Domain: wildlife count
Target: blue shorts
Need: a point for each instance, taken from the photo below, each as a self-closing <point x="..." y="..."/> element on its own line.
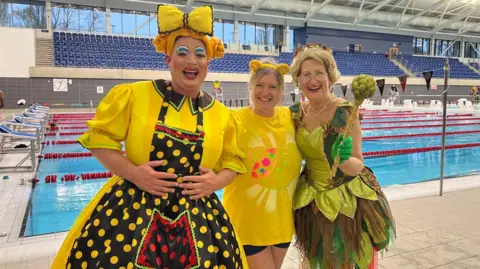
<point x="252" y="250"/>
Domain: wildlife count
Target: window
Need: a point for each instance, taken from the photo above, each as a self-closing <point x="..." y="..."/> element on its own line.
<point x="128" y="22"/>
<point x="241" y="33"/>
<point x="116" y="21"/>
<point x="153" y="25"/>
<point x="218" y="28"/>
<point x="421" y="46"/>
<point x="142" y="25"/>
<point x="229" y="31"/>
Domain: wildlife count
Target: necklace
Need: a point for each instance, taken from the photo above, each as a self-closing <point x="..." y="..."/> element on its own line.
<point x="317" y="113"/>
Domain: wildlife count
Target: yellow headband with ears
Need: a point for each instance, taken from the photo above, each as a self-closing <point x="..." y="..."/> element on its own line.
<point x="283" y="69"/>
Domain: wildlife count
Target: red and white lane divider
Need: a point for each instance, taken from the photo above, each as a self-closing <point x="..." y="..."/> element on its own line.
<point x="383" y="153"/>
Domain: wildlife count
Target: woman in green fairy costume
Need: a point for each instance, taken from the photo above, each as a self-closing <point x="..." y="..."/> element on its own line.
<point x="341" y="221"/>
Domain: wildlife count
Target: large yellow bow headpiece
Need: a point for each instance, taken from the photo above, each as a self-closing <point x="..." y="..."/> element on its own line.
<point x="255" y="65"/>
<point x="198" y="24"/>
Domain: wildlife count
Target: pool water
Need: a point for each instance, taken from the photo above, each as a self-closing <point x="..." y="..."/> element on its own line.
<point x="54" y="207"/>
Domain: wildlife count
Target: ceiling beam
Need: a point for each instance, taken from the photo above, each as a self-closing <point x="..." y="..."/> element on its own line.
<point x="464" y="30"/>
<point x="403" y="13"/>
<point x="394" y="5"/>
<point x="379" y="6"/>
<point x="359" y="10"/>
<point x="459" y="7"/>
<point x="189" y="4"/>
<point x="311" y="12"/>
<point x="437" y="4"/>
<point x="456" y="18"/>
<point x="443" y="14"/>
<point x="256" y="6"/>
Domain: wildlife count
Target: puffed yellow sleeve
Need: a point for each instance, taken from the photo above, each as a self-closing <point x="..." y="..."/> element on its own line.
<point x="109" y="127"/>
<point x="232" y="153"/>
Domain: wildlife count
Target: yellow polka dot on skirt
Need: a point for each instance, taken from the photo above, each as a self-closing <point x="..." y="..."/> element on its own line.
<point x="226" y="254"/>
<point x="114" y="222"/>
<point x="203" y="229"/>
<point x="182" y="201"/>
<point x="84" y="265"/>
<point x="196" y="156"/>
<point x="96" y="222"/>
<point x="161" y="136"/>
<point x="223" y="266"/>
<point x="136" y="206"/>
<point x="109" y="212"/>
<point x="169" y="143"/>
<point x="175" y="208"/>
<point x="130" y="265"/>
<point x="126" y="216"/>
<point x="78" y="255"/>
<point x="224" y="229"/>
<point x="157" y="201"/>
<point x="120" y="202"/>
<point x="85" y="234"/>
<point x="218" y="235"/>
<point x="209" y="217"/>
<point x="131" y="192"/>
<point x="149" y="212"/>
<point x="94" y="254"/>
<point x="183" y="160"/>
<point x="176" y="153"/>
<point x="215" y="212"/>
<point x="139" y="220"/>
<point x="114" y="259"/>
<point x="107" y="242"/>
<point x="127" y="248"/>
<point x="90" y="243"/>
<point x="119" y="193"/>
<point x="101" y="232"/>
<point x="120" y="237"/>
<point x="69" y="265"/>
<point x="171" y="170"/>
<point x="144" y="201"/>
<point x="132" y="227"/>
<point x="206" y="264"/>
<point x="211" y="249"/>
<point x="134" y="242"/>
<point x="200" y="244"/>
<point x="160" y="154"/>
<point x="195" y="211"/>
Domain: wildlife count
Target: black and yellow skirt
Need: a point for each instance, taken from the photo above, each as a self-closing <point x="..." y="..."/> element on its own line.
<point x="125" y="227"/>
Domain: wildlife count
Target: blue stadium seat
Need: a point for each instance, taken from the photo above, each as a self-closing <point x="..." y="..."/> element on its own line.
<point x="101" y="51"/>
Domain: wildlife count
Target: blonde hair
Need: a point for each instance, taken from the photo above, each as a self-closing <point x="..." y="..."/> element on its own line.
<point x="321" y="55"/>
<point x="259" y="73"/>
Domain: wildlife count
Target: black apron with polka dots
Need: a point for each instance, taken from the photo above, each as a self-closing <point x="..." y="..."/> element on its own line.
<point x="134" y="229"/>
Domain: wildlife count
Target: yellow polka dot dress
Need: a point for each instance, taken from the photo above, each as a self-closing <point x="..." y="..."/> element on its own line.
<point x="125" y="227"/>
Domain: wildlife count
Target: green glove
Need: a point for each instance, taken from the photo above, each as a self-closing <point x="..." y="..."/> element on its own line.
<point x="344" y="150"/>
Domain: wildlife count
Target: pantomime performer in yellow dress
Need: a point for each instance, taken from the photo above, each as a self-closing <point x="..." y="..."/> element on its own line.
<point x="160" y="209"/>
<point x="260" y="201"/>
<point x="341" y="220"/>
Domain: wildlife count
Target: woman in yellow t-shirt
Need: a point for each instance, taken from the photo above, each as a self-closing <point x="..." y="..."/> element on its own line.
<point x="259" y="202"/>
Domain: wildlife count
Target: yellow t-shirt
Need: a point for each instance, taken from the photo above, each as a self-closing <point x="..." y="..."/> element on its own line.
<point x="259" y="202"/>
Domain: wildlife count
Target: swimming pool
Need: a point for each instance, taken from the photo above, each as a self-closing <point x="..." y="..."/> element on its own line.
<point x="54" y="207"/>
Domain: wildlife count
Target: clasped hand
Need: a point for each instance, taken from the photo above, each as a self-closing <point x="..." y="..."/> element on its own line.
<point x="202" y="185"/>
<point x="344" y="148"/>
<point x="156" y="183"/>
